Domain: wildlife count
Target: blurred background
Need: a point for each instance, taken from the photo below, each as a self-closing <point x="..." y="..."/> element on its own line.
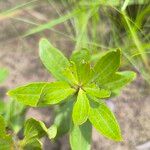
<point x="99" y="25"/>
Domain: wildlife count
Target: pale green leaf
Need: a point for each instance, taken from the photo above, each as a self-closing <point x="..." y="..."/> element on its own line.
<point x="107" y="65"/>
<point x="54" y="93"/>
<point x="52" y="131"/>
<point x="70" y="74"/>
<point x="81" y="59"/>
<point x="104" y="121"/>
<point x="119" y="80"/>
<point x="97" y="92"/>
<point x="53" y="59"/>
<point x="84" y="73"/>
<point x="80" y="136"/>
<point x="81" y="108"/>
<point x="37" y="129"/>
<point x="80" y="56"/>
<point x="28" y="94"/>
<point x="42" y="93"/>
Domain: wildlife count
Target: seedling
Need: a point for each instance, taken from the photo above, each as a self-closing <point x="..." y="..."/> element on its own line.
<point x="81" y="89"/>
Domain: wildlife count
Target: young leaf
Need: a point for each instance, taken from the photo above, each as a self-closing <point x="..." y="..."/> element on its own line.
<point x="104" y="121"/>
<point x="53" y="59"/>
<point x="119" y="79"/>
<point x="84" y="72"/>
<point x="107" y="65"/>
<point x="37" y="129"/>
<point x="80" y="136"/>
<point x="97" y="92"/>
<point x="81" y="59"/>
<point x="42" y="93"/>
<point x="81" y="108"/>
<point x="70" y="74"/>
<point x="52" y="131"/>
<point x="80" y="56"/>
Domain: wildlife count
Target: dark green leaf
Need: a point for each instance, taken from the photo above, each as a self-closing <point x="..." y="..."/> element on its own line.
<point x="53" y="59"/>
<point x="104" y="121"/>
<point x="63" y="118"/>
<point x="33" y="144"/>
<point x="80" y="136"/>
<point x="81" y="108"/>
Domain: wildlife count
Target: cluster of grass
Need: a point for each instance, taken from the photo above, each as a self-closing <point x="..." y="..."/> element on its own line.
<point x="98" y="25"/>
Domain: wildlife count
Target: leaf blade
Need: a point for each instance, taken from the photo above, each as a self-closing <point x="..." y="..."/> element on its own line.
<point x="42" y="93"/>
<point x="53" y="59"/>
<point x="104" y="121"/>
<point x="80" y="136"/>
<point x="107" y="65"/>
<point x="80" y="109"/>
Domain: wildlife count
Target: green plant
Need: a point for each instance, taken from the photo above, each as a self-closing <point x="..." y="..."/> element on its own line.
<point x="33" y="131"/>
<point x="80" y="89"/>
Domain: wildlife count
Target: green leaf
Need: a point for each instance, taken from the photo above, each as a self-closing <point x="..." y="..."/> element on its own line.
<point x="107" y="65"/>
<point x="81" y="108"/>
<point x="52" y="131"/>
<point x="3" y="74"/>
<point x="5" y="139"/>
<point x="37" y="129"/>
<point x="53" y="59"/>
<point x="70" y="74"/>
<point x="54" y="22"/>
<point x="80" y="56"/>
<point x="54" y="93"/>
<point x="63" y="117"/>
<point x="97" y="92"/>
<point x="28" y="94"/>
<point x="2" y="127"/>
<point x="81" y="59"/>
<point x="119" y="80"/>
<point x="84" y="73"/>
<point x="33" y="131"/>
<point x="42" y="93"/>
<point x="34" y="144"/>
<point x="104" y="121"/>
<point x="80" y="136"/>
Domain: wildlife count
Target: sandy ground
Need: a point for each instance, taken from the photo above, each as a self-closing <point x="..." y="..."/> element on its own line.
<point x="20" y="56"/>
